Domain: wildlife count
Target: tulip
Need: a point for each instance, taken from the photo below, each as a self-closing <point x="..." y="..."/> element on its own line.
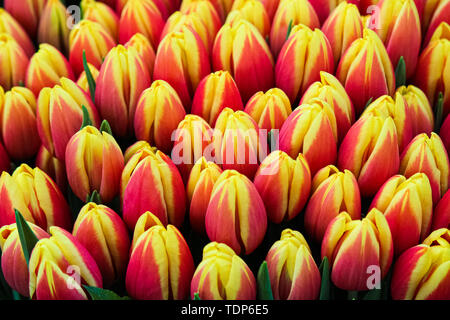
<point x="36" y="196"/>
<point x="101" y="13"/>
<point x="14" y="62"/>
<point x="269" y="109"/>
<point x="441" y="215"/>
<point x="151" y="182"/>
<point x="422" y="272"/>
<point x="214" y="93"/>
<point x="10" y="26"/>
<point x="206" y="11"/>
<point x="444" y="133"/>
<point x="202" y="178"/>
<point x="52" y="166"/>
<point x="101" y="231"/>
<point x="253" y="11"/>
<point x="441" y="32"/>
<point x="303" y="56"/>
<point x="236" y="215"/>
<point x="14" y="266"/>
<point x="121" y="80"/>
<point x="222" y="7"/>
<point x="55" y="261"/>
<point x="292" y="271"/>
<point x="408" y="208"/>
<point x="82" y="81"/>
<point x="47" y="66"/>
<point x="223" y="275"/>
<point x="370" y="152"/>
<point x="344" y="242"/>
<point x="441" y="15"/>
<point x="182" y="61"/>
<point x="141" y="16"/>
<point x="158" y="112"/>
<point x="54" y="26"/>
<point x="93" y="39"/>
<point x="242" y="51"/>
<point x="271" y="7"/>
<point x="5" y="164"/>
<point x="161" y="265"/>
<point x="366" y="71"/>
<point x="427" y="155"/>
<point x="135" y="148"/>
<point x="325" y="8"/>
<point x="145" y="222"/>
<point x="302" y="130"/>
<point x="59" y="115"/>
<point x="144" y="49"/>
<point x="333" y="192"/>
<point x="428" y="9"/>
<point x="342" y="27"/>
<point x="27" y="13"/>
<point x="191" y="139"/>
<point x="237" y="142"/>
<point x="94" y="161"/>
<point x="165" y="7"/>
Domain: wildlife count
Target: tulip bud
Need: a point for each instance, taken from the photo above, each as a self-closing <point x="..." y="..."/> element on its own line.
<point x="441" y="15"/>
<point x="427" y="155"/>
<point x="344" y="241"/>
<point x="366" y="71"/>
<point x="303" y="56"/>
<point x="305" y="126"/>
<point x="422" y="272"/>
<point x="10" y="26"/>
<point x="82" y="81"/>
<point x="59" y="115"/>
<point x="441" y="215"/>
<point x="214" y="93"/>
<point x="36" y="196"/>
<point x="26" y="12"/>
<point x="202" y="178"/>
<point x="52" y="166"/>
<point x="165" y="7"/>
<point x="101" y="231"/>
<point x="206" y="11"/>
<point x="161" y="265"/>
<point x="101" y="13"/>
<point x="444" y="133"/>
<point x="158" y="112"/>
<point x="54" y="26"/>
<point x="223" y="275"/>
<point x="135" y="148"/>
<point x="441" y="32"/>
<point x="334" y="192"/>
<point x="145" y="222"/>
<point x="47" y="66"/>
<point x="14" y="62"/>
<point x="236" y="215"/>
<point x="222" y="7"/>
<point x="144" y="49"/>
<point x="92" y="38"/>
<point x="269" y="109"/>
<point x="370" y="152"/>
<point x="241" y="50"/>
<point x="151" y="182"/>
<point x="330" y="90"/>
<point x="53" y="263"/>
<point x="271" y="7"/>
<point x="253" y="11"/>
<point x="292" y="271"/>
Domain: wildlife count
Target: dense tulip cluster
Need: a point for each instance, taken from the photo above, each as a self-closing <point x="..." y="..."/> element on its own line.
<point x="225" y="149"/>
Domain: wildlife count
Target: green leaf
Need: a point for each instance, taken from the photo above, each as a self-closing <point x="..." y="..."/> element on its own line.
<point x="89" y="77"/>
<point x="264" y="287"/>
<point x="439" y="112"/>
<point x="94" y="197"/>
<point x="103" y="294"/>
<point x="105" y="127"/>
<point x="86" y="118"/>
<point x="400" y="73"/>
<point x="368" y="103"/>
<point x="196" y="296"/>
<point x="288" y="33"/>
<point x="325" y="286"/>
<point x="27" y="237"/>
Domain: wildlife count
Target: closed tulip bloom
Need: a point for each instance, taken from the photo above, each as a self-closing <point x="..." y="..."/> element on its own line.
<point x="408" y="207"/>
<point x="53" y="262"/>
<point x="223" y="275"/>
<point x="292" y="271"/>
<point x="236" y="215"/>
<point x="101" y="13"/>
<point x="82" y="81"/>
<point x="36" y="196"/>
<point x="335" y="192"/>
<point x="27" y="13"/>
<point x="151" y="182"/>
<point x="322" y="175"/>
<point x="52" y="166"/>
<point x="214" y="93"/>
<point x="94" y="161"/>
<point x="202" y="178"/>
<point x="284" y="184"/>
<point x="144" y="49"/>
<point x="47" y="66"/>
<point x="444" y="133"/>
<point x="253" y="11"/>
<point x="441" y="32"/>
<point x="302" y="130"/>
<point x="205" y="10"/>
<point x="304" y="55"/>
<point x="159" y="110"/>
<point x="166" y="7"/>
<point x="145" y="222"/>
<point x="161" y="265"/>
<point x="54" y="26"/>
<point x="370" y="152"/>
<point x="427" y="155"/>
<point x="135" y="148"/>
<point x="92" y="38"/>
<point x="366" y="71"/>
<point x="344" y="241"/>
<point x="59" y="115"/>
<point x="441" y="215"/>
<point x="269" y="109"/>
<point x="271" y="7"/>
<point x="103" y="233"/>
<point x="242" y="51"/>
<point x="441" y="15"/>
<point x="14" y="266"/>
<point x="222" y="7"/>
<point x="427" y="11"/>
<point x="13" y="62"/>
<point x="342" y="27"/>
<point x="12" y="27"/>
<point x="423" y="272"/>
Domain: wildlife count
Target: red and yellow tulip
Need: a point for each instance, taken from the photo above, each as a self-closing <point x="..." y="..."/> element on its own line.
<point x="13" y="62"/>
<point x="101" y="13"/>
<point x="441" y="214"/>
<point x="52" y="166"/>
<point x="54" y="26"/>
<point x="253" y="11"/>
<point x="10" y="26"/>
<point x="27" y="13"/>
<point x="144" y="49"/>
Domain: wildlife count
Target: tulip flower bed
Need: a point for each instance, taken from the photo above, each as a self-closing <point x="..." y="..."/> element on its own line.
<point x="225" y="149"/>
